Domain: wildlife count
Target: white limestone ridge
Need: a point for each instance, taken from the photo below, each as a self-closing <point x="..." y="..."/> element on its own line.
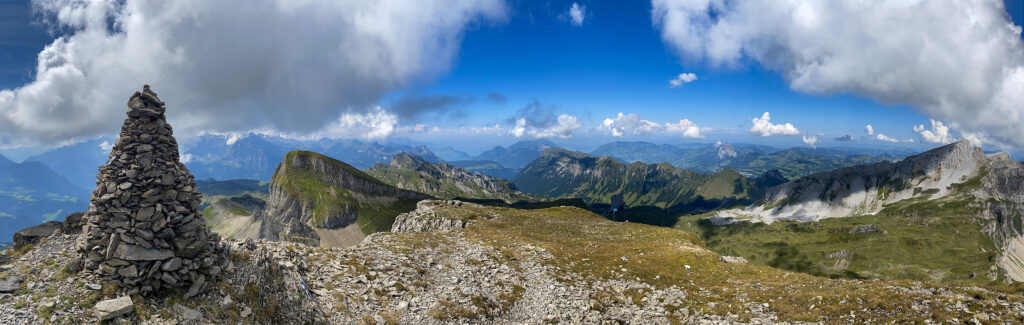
<point x="865" y="190"/>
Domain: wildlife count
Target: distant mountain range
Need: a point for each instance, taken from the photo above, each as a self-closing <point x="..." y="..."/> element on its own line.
<point x="79" y="162"/>
<point x="31" y="193"/>
<point x="256" y="157"/>
<point x="952" y="213"/>
<point x="517" y="155"/>
<point x="748" y="159"/>
<point x="487" y="167"/>
<point x="449" y="153"/>
<point x="564" y="174"/>
<point x="410" y="172"/>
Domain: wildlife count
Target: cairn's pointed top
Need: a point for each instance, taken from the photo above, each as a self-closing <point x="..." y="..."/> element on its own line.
<point x="145" y="103"/>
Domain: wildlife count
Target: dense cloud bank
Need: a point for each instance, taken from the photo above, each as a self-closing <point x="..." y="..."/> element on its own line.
<point x="957" y="61"/>
<point x="292" y="66"/>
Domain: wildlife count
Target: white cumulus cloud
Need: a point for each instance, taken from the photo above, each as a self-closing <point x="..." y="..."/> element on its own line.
<point x="939" y="133"/>
<point x="563" y="127"/>
<point x="375" y="124"/>
<point x="810" y="140"/>
<point x="883" y="137"/>
<point x="870" y="130"/>
<point x="106" y="146"/>
<point x="686" y="128"/>
<point x="632" y="124"/>
<point x="954" y="60"/>
<point x="286" y="65"/>
<point x="764" y="127"/>
<point x="682" y="78"/>
<point x="577" y="13"/>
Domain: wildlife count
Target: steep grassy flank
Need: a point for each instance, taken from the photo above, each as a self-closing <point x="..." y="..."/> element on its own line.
<point x="596" y="248"/>
<point x="311" y="177"/>
<point x="938" y="240"/>
<point x="563" y="174"/>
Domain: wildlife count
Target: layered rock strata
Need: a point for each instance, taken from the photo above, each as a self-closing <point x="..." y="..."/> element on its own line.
<point x="143" y="229"/>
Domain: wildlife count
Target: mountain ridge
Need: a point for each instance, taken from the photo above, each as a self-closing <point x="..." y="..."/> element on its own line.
<point x="560" y="173"/>
<point x="957" y="176"/>
<point x="408" y="171"/>
<point x="310" y="190"/>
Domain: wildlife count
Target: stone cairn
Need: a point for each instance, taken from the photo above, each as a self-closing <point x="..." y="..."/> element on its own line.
<point x="144" y="229"/>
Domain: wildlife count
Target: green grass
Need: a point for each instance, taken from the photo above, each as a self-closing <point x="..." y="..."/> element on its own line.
<point x="209" y="215"/>
<point x="642" y="185"/>
<point x="377" y="212"/>
<point x="937" y="240"/>
<point x="591" y="246"/>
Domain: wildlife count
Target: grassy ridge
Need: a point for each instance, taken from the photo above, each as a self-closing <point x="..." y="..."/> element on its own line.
<point x="596" y="248"/>
<point x="377" y="211"/>
<point x="442" y="180"/>
<point x="563" y="174"/>
<point x="917" y="239"/>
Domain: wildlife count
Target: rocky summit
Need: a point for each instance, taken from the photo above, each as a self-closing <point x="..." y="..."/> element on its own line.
<point x="143" y="230"/>
<point x="461" y="263"/>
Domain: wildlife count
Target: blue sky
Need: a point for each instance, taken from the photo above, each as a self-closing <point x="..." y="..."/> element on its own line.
<point x="481" y="68"/>
<point x="616" y="62"/>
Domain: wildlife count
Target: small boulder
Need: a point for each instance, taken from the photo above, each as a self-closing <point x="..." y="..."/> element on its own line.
<point x="113" y="308"/>
<point x="32" y="234"/>
<point x="73" y="223"/>
<point x="864" y="229"/>
<point x="733" y="259"/>
<point x="9" y="284"/>
<point x="187" y="313"/>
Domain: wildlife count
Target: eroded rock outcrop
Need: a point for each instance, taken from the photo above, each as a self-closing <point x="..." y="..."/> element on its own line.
<point x="429" y="218"/>
<point x="143" y="229"/>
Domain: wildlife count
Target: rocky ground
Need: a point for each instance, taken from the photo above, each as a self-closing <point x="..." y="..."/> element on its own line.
<point x="558" y="265"/>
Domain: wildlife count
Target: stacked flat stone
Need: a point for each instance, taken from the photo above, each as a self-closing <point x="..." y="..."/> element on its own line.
<point x="144" y="229"/>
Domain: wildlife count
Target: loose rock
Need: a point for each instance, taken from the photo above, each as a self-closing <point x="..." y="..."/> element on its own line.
<point x="113" y="308"/>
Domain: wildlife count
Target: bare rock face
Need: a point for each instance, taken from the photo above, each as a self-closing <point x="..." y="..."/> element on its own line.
<point x="143" y="215"/>
<point x="32" y="234"/>
<point x="431" y="216"/>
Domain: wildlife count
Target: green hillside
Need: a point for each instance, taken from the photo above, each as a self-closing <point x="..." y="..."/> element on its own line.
<point x="923" y="238"/>
<point x="410" y="172"/>
<point x="590" y="249"/>
<point x="331" y="187"/>
<point x="564" y="174"/>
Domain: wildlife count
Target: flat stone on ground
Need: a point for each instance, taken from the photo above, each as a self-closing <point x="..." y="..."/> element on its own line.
<point x="113" y="308"/>
<point x="187" y="313"/>
<point x="10" y="284"/>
